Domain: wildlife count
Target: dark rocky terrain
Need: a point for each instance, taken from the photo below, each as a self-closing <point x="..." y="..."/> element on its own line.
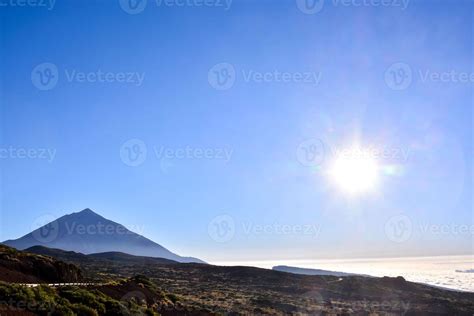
<point x="23" y="267"/>
<point x="201" y="289"/>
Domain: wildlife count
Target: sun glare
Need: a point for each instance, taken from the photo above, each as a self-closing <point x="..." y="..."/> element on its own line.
<point x="354" y="174"/>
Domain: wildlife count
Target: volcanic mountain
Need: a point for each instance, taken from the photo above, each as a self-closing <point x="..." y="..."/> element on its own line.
<point x="87" y="232"/>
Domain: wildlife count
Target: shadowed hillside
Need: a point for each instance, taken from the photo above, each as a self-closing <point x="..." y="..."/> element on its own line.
<point x="18" y="266"/>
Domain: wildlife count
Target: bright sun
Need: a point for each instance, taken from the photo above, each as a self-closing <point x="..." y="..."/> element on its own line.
<point x="355" y="174"/>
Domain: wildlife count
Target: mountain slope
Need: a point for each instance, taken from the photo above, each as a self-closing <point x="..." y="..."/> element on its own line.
<point x="87" y="232"/>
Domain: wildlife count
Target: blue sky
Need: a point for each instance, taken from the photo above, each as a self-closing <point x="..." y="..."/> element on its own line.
<point x="231" y="155"/>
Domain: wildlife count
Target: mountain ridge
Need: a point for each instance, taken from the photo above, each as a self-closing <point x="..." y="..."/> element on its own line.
<point x="104" y="256"/>
<point x="87" y="232"/>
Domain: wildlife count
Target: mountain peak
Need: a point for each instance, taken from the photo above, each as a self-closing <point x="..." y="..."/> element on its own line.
<point x="87" y="211"/>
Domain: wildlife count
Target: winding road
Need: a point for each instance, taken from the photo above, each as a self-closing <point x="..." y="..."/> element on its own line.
<point x="60" y="284"/>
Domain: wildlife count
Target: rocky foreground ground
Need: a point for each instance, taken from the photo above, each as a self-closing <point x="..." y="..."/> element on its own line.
<point x="137" y="286"/>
